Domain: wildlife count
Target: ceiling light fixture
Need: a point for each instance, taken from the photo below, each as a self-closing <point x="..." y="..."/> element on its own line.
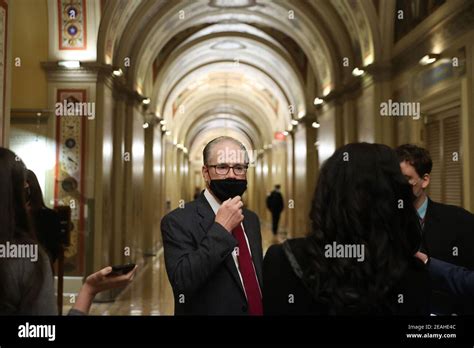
<point x="232" y="3"/>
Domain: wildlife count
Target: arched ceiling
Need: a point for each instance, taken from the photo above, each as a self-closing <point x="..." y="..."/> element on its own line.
<point x="242" y="54"/>
<point x="209" y="66"/>
<point x="249" y="115"/>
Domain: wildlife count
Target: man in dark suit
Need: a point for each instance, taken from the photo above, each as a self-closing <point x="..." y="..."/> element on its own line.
<point x="275" y="205"/>
<point x="213" y="246"/>
<point x="448" y="231"/>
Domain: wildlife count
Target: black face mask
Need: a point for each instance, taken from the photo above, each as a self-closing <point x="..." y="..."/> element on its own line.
<point x="228" y="188"/>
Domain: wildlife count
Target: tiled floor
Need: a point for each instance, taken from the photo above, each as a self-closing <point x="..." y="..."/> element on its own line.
<point x="150" y="293"/>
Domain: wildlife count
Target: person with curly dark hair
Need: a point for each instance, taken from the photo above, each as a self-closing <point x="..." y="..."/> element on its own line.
<point x="363" y="207"/>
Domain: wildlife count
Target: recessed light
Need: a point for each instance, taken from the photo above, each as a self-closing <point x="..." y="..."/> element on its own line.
<point x="232" y="3"/>
<point x="227" y="45"/>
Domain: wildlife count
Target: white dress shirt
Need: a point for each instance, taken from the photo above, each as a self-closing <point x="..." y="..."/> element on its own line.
<point x="215" y="205"/>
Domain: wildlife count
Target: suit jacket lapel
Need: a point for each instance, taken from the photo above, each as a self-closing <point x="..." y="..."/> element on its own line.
<point x="230" y="264"/>
<point x="436" y="237"/>
<point x="205" y="212"/>
<point x="207" y="218"/>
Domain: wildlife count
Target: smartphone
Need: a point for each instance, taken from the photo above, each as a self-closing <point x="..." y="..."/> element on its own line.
<point x="122" y="269"/>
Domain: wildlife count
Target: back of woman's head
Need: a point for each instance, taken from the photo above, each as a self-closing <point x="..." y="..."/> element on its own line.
<point x="13" y="215"/>
<point x="36" y="201"/>
<point x="361" y="199"/>
<point x="15" y="229"/>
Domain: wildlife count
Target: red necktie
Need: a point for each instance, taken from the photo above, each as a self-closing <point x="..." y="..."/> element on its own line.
<point x="247" y="271"/>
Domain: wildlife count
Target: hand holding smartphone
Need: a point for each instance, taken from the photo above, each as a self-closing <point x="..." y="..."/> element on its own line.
<point x="121" y="269"/>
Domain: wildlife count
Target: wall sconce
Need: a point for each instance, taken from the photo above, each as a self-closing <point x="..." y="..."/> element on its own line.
<point x="428" y="59"/>
<point x="70" y="64"/>
<point x="358" y="72"/>
<point x="117" y="72"/>
<point x="318" y="101"/>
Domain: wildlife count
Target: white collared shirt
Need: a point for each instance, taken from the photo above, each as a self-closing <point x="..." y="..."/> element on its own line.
<point x="215" y="205"/>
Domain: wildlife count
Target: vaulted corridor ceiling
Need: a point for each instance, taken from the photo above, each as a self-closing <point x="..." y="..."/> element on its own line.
<point x="232" y="66"/>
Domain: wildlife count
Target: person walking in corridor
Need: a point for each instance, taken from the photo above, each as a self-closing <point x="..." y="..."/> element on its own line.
<point x="213" y="246"/>
<point x="275" y="205"/>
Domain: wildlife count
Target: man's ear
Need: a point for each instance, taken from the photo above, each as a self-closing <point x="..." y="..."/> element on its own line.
<point x="205" y="174"/>
<point x="426" y="181"/>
